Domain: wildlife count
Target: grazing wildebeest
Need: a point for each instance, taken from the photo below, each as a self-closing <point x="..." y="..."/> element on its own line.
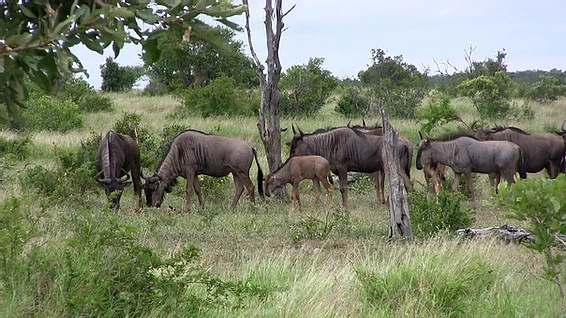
<point x="194" y="152"/>
<point x="466" y="154"/>
<point x="347" y="149"/>
<point x="541" y="150"/>
<point x="117" y="155"/>
<point x="405" y="150"/>
<point x="295" y="169"/>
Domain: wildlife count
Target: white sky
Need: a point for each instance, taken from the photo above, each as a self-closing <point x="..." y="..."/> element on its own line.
<point x="532" y="33"/>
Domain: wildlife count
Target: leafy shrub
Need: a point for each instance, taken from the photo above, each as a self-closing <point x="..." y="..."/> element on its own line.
<point x="39" y="180"/>
<point x="116" y="78"/>
<point x="18" y="147"/>
<point x="437" y="112"/>
<point x="353" y="103"/>
<point x="102" y="270"/>
<point x="433" y="214"/>
<point x="130" y="124"/>
<point x="47" y="113"/>
<point x="547" y="89"/>
<point x="85" y="96"/>
<point x="313" y="228"/>
<point x="308" y="86"/>
<point x="491" y="95"/>
<point x="541" y="203"/>
<point x="218" y="98"/>
<point x="399" y="86"/>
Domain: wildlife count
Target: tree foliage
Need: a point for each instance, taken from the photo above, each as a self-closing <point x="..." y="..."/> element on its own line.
<point x="116" y="78"/>
<point x="38" y="35"/>
<point x="399" y="85"/>
<point x="199" y="62"/>
<point x="307" y="87"/>
<point x="547" y="89"/>
<point x="437" y="112"/>
<point x="491" y="95"/>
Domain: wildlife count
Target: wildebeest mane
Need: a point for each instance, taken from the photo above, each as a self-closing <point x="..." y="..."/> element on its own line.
<point x="451" y="135"/>
<point x="282" y="165"/>
<point x="515" y="129"/>
<point x="328" y="129"/>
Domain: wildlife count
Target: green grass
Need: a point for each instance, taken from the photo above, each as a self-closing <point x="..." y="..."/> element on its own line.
<point x="305" y="268"/>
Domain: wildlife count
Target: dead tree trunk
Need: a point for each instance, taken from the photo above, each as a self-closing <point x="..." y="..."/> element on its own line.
<point x="268" y="123"/>
<point x="399" y="220"/>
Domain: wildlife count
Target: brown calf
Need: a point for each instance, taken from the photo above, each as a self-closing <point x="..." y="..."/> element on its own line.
<point x="295" y="169"/>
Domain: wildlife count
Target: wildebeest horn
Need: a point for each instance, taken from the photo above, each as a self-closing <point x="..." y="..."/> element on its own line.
<point x="564" y="130"/>
<point x="421" y="134"/>
<point x="474" y="125"/>
<point x="99" y="179"/>
<point x="364" y="122"/>
<point x="349" y="122"/>
<point x="300" y="131"/>
<point x="293" y="127"/>
<point x="283" y="129"/>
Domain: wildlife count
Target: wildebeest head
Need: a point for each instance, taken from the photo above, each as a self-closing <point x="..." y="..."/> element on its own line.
<point x="113" y="188"/>
<point x="154" y="189"/>
<point x="297" y="146"/>
<point x="271" y="184"/>
<point x="424" y="156"/>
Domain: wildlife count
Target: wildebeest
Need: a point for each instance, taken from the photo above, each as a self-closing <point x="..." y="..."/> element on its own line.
<point x="466" y="154"/>
<point x="432" y="173"/>
<point x="192" y="153"/>
<point x="295" y="169"/>
<point x="117" y="155"/>
<point x="541" y="150"/>
<point x="346" y="148"/>
<point x="405" y="150"/>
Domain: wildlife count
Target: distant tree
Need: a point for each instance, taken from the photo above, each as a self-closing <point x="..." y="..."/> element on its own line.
<point x="198" y="62"/>
<point x="547" y="89"/>
<point x="306" y="87"/>
<point x="116" y="78"/>
<point x="491" y="95"/>
<point x="37" y="35"/>
<point x="399" y="85"/>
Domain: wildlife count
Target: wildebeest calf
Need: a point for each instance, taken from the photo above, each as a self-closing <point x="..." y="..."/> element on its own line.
<point x="295" y="169"/>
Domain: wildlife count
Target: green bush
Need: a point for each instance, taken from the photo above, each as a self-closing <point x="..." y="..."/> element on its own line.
<point x="308" y="87"/>
<point x="218" y="98"/>
<point x="491" y="95"/>
<point x="85" y="96"/>
<point x="19" y="147"/>
<point x="353" y="103"/>
<point x="39" y="180"/>
<point x="432" y="214"/>
<point x="130" y="124"/>
<point x="437" y="112"/>
<point x="47" y="113"/>
<point x="103" y="270"/>
<point x="116" y="78"/>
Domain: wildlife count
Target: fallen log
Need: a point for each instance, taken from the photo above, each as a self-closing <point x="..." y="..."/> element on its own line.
<point x="508" y="234"/>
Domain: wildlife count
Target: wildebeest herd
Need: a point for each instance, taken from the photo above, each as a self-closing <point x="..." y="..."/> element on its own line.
<point x="500" y="152"/>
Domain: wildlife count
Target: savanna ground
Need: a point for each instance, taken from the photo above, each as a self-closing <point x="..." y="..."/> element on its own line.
<point x="326" y="262"/>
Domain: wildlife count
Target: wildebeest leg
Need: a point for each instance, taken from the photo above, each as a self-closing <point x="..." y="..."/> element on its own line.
<point x="470" y="184"/>
<point x="328" y="188"/>
<point x="456" y="181"/>
<point x="191" y="179"/>
<point x="295" y="197"/>
<point x="245" y="180"/>
<point x="239" y="190"/>
<point x="553" y="168"/>
<point x="196" y="186"/>
<point x="343" y="177"/>
<point x="494" y="179"/>
<point x="317" y="191"/>
<point x="137" y="186"/>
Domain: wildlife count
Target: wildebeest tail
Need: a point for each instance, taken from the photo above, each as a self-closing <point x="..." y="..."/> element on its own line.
<point x="408" y="160"/>
<point x="259" y="175"/>
<point x="522" y="164"/>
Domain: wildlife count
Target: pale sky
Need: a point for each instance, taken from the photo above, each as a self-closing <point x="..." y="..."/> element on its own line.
<point x="532" y="33"/>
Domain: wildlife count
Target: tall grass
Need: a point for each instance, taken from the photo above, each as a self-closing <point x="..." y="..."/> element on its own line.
<point x="352" y="270"/>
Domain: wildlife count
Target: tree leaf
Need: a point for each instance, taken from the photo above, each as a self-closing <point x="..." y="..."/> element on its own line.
<point x="152" y="51"/>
